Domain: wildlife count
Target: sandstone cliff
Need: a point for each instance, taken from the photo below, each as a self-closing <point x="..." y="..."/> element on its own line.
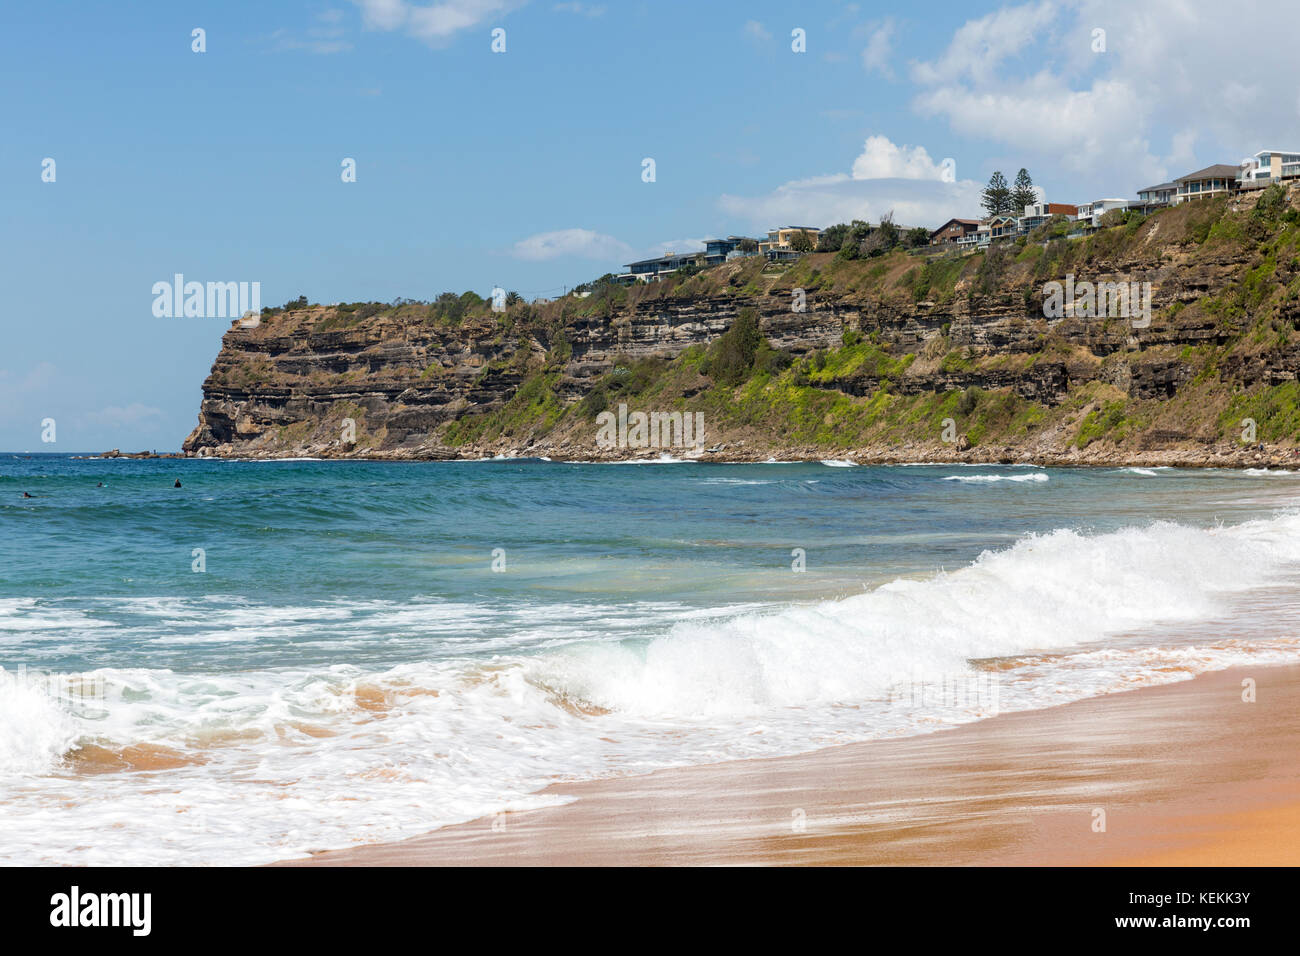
<point x="909" y="356"/>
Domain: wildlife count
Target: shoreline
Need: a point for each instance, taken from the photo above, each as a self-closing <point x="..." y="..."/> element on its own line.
<point x="1180" y="459"/>
<point x="1186" y="773"/>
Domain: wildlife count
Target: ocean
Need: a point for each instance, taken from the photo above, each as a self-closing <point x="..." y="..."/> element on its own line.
<point x="283" y="657"/>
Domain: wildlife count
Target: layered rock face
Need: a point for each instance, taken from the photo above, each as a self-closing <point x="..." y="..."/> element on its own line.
<point x="322" y="381"/>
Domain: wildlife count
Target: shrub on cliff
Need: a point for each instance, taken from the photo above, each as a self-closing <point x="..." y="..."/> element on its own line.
<point x="769" y="360"/>
<point x="451" y="308"/>
<point x="970" y="399"/>
<point x="731" y="356"/>
<point x="1111" y="217"/>
<point x="992" y="269"/>
<point x="594" y="402"/>
<point x="1268" y="211"/>
<point x="1054" y="228"/>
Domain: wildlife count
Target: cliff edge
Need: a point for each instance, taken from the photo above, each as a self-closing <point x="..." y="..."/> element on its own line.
<point x="921" y="355"/>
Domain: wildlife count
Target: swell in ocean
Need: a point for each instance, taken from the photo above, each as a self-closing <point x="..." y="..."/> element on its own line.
<point x="495" y="700"/>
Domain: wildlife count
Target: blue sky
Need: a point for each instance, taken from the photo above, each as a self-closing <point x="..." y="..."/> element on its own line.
<point x="523" y="168"/>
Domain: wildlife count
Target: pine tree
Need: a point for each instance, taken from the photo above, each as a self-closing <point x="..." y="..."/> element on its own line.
<point x="1023" y="194"/>
<point x="996" y="197"/>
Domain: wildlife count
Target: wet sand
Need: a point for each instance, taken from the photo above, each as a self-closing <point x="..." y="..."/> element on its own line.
<point x="1185" y="774"/>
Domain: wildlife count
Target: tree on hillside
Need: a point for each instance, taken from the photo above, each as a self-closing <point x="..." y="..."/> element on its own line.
<point x="917" y="237"/>
<point x="801" y="242"/>
<point x="889" y="229"/>
<point x="832" y="237"/>
<point x="747" y="245"/>
<point x="1023" y="194"/>
<point x="448" y="306"/>
<point x="731" y="356"/>
<point x="996" y="197"/>
<point x="851" y="247"/>
<point x="1112" y="217"/>
<point x="883" y="238"/>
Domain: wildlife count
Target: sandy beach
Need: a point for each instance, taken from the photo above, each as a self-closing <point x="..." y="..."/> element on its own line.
<point x="1185" y="774"/>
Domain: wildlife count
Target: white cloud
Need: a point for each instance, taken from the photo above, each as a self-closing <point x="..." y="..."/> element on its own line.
<point x="879" y="48"/>
<point x="27" y="398"/>
<point x="884" y="177"/>
<point x="1176" y="87"/>
<point x="577" y="243"/>
<point x="15" y="388"/>
<point x="673" y="245"/>
<point x="383" y="14"/>
<point x="979" y="47"/>
<point x="129" y="416"/>
<point x="435" y="22"/>
<point x="1044" y="117"/>
<point x="881" y="159"/>
<point x="325" y="36"/>
<point x="757" y="32"/>
<point x="580" y="9"/>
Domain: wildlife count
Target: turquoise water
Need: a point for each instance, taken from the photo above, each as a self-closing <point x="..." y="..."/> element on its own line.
<point x="348" y="641"/>
<point x="293" y="534"/>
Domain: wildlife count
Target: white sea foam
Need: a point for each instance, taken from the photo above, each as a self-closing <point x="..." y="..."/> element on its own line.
<point x="1059" y="589"/>
<point x="989" y="479"/>
<point x="663" y="459"/>
<point x="34" y="732"/>
<point x="298" y="759"/>
<point x="838" y="463"/>
<point x="28" y="614"/>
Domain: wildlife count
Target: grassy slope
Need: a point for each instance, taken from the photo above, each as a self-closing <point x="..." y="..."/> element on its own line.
<point x="800" y="406"/>
<point x="803" y="401"/>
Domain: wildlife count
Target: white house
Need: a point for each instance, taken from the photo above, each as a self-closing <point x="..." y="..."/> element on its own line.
<point x="1269" y="166"/>
<point x="1090" y="213"/>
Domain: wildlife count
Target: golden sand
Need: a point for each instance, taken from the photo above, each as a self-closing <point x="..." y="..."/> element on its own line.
<point x="1183" y="774"/>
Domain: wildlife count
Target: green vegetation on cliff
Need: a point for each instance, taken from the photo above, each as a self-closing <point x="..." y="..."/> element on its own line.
<point x="899" y="347"/>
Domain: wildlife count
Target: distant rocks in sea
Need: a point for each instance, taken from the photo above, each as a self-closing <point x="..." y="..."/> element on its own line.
<point x="118" y="453"/>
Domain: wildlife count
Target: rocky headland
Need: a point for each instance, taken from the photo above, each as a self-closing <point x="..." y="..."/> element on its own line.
<point x="916" y="355"/>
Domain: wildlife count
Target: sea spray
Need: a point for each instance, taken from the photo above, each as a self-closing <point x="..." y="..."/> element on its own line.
<point x="1047" y="591"/>
<point x="35" y="732"/>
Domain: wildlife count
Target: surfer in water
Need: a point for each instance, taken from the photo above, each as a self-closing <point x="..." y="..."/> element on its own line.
<point x="178" y="483"/>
